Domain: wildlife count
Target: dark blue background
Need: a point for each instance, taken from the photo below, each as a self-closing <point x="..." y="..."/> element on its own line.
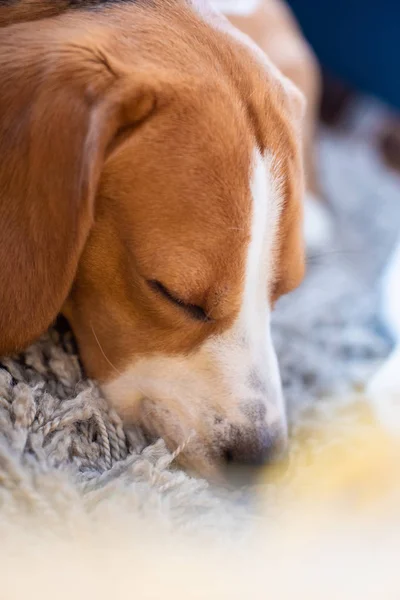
<point x="356" y="40"/>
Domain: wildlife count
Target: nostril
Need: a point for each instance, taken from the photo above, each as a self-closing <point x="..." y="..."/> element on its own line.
<point x="228" y="456"/>
<point x="246" y="454"/>
<point x="254" y="450"/>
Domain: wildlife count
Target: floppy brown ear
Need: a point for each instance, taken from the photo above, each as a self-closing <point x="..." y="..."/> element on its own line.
<point x="61" y="106"/>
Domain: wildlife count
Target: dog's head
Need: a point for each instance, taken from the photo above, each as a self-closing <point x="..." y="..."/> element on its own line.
<point x="151" y="188"/>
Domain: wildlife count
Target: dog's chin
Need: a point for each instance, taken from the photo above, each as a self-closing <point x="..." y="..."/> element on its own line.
<point x="199" y="464"/>
<point x="188" y="446"/>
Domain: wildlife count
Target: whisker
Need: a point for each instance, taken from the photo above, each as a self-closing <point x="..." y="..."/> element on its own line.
<point x="102" y="351"/>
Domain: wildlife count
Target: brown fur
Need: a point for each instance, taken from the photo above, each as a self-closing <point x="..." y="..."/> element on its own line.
<point x="20" y="11"/>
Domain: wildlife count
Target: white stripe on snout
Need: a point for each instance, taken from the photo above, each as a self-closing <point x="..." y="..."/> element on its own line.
<point x="254" y="318"/>
<point x="247" y="347"/>
<point x="260" y="265"/>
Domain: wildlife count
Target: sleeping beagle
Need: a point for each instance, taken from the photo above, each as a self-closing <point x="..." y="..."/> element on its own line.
<point x="151" y="187"/>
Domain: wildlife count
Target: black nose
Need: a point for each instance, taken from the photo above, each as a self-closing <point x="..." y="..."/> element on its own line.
<point x="254" y="452"/>
<point x="246" y="453"/>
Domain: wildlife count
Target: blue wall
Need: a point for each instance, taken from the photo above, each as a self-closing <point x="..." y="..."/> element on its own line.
<point x="357" y="40"/>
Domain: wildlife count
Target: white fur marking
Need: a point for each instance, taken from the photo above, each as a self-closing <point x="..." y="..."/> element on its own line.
<point x="247" y="347"/>
<point x="241" y="8"/>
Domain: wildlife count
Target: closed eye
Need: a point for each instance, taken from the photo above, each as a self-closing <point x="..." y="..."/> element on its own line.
<point x="194" y="311"/>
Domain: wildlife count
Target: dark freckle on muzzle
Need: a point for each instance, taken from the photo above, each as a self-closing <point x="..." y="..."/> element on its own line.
<point x="254" y="410"/>
<point x="256" y="384"/>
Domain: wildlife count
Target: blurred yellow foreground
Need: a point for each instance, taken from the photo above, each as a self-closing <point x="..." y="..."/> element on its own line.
<point x="328" y="529"/>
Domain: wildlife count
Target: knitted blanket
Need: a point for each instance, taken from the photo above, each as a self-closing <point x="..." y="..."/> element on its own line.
<point x="67" y="460"/>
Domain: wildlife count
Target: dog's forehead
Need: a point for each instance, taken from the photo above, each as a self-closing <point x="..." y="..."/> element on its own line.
<point x="210" y="11"/>
<point x="186" y="197"/>
<point x="188" y="192"/>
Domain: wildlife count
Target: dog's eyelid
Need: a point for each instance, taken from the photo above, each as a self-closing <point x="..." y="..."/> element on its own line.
<point x="196" y="312"/>
<point x="159" y="287"/>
